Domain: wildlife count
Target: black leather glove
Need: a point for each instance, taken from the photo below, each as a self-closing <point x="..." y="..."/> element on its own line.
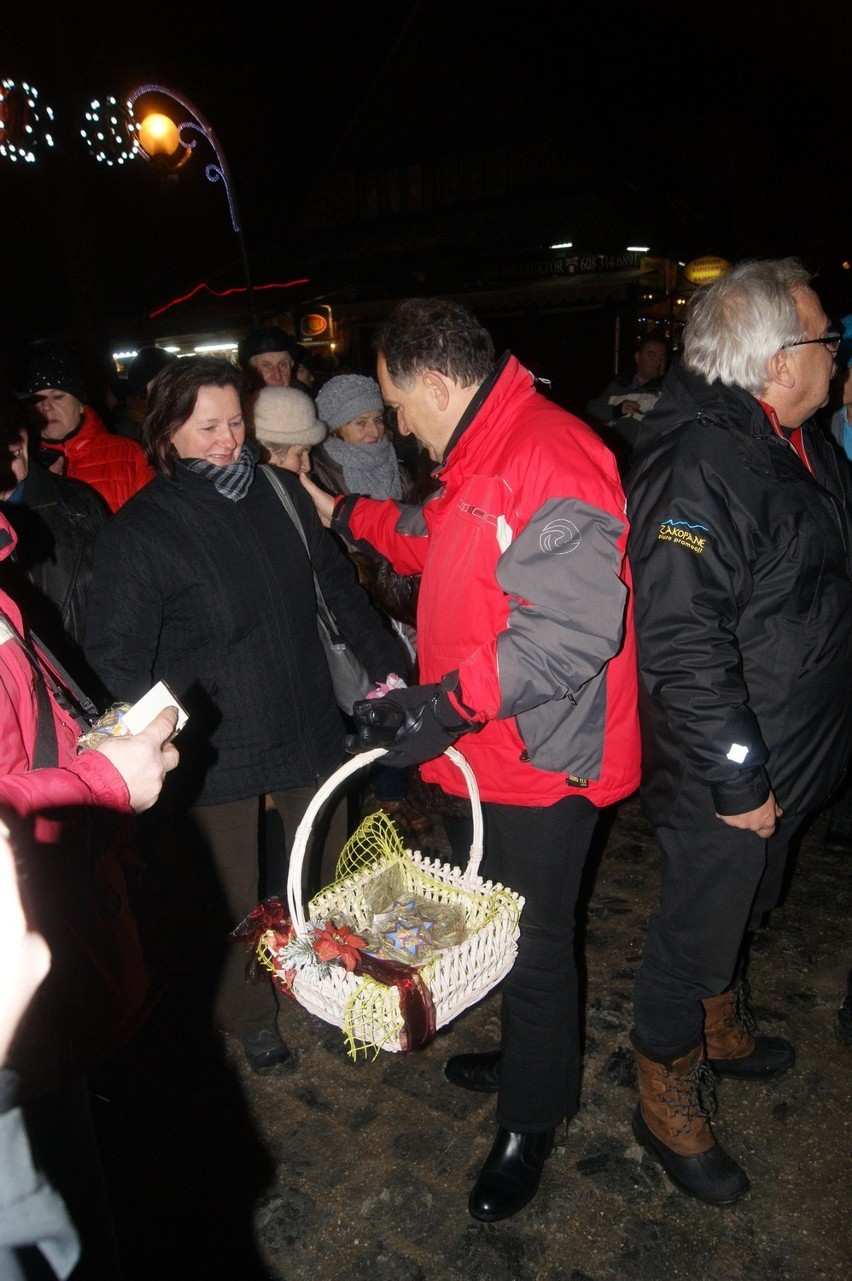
<point x="414" y="724"/>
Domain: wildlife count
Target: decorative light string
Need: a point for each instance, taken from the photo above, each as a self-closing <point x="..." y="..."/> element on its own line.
<point x="109" y="132"/>
<point x="25" y="124"/>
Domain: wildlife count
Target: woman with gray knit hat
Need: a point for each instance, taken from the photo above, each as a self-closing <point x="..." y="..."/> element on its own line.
<point x="285" y="425"/>
<point x="358" y="457"/>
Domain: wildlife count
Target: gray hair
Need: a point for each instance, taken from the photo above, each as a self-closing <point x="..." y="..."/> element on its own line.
<point x="736" y="325"/>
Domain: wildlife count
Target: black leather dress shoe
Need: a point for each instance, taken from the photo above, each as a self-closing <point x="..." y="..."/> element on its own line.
<point x="510" y="1177"/>
<point x="475" y="1071"/>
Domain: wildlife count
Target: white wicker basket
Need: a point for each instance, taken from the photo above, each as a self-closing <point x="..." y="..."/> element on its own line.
<point x="368" y="1011"/>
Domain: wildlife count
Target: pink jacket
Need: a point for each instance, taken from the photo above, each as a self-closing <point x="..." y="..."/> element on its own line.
<point x="73" y="883"/>
<point x="87" y="779"/>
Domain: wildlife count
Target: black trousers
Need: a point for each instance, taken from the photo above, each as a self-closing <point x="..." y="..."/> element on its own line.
<point x="540" y="852"/>
<point x="718" y="883"/>
<point x="230" y="841"/>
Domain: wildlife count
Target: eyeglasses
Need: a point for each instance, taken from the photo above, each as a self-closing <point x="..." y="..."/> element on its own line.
<point x="831" y="340"/>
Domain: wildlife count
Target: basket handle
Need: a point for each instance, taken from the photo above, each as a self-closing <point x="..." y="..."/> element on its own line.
<point x="329" y="787"/>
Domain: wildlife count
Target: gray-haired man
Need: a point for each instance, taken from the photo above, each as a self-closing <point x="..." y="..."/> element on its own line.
<point x="740" y="551"/>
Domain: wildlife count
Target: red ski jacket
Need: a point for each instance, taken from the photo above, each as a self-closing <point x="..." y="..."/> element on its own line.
<point x="526" y="591"/>
<point x="113" y="465"/>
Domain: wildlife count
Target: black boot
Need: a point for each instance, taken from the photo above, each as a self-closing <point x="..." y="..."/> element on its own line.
<point x="510" y="1177"/>
<point x="475" y="1071"/>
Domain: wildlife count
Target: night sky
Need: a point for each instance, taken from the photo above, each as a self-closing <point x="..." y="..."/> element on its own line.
<point x="736" y="109"/>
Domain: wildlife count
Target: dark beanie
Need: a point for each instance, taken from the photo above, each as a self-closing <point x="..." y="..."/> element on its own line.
<point x="144" y="366"/>
<point x="49" y="365"/>
<point x="258" y="341"/>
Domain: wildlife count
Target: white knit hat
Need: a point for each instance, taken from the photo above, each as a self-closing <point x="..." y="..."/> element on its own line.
<point x="284" y="416"/>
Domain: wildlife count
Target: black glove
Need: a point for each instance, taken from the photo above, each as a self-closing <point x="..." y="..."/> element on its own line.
<point x="414" y="724"/>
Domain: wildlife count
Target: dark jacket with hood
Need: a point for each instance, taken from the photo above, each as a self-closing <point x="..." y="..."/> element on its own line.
<point x="741" y="564"/>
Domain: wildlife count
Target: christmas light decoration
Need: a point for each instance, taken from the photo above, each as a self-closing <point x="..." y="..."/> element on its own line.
<point x="109" y="132"/>
<point x="25" y="125"/>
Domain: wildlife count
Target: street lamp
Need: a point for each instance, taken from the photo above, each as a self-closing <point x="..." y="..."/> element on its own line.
<point x="158" y="135"/>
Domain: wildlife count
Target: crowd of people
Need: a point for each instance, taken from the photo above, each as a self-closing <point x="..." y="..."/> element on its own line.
<point x="660" y="600"/>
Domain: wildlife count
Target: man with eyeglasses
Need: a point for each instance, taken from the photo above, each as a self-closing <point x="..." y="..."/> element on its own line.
<point x="740" y="549"/>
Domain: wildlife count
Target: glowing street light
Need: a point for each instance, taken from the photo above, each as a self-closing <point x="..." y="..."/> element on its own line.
<point x="158" y="135"/>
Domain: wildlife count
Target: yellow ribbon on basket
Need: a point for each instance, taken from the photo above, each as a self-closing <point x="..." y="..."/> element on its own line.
<point x="269" y="932"/>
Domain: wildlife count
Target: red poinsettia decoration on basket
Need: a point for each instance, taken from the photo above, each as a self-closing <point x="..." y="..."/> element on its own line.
<point x="338" y="943"/>
<point x="269" y="933"/>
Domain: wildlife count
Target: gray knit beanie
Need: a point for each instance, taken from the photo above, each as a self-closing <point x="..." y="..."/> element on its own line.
<point x="284" y="416"/>
<point x="346" y="397"/>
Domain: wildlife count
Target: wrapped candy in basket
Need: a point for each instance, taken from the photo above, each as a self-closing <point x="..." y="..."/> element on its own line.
<point x="398" y="945"/>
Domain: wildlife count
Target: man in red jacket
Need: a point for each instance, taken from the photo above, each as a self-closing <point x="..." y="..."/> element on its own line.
<point x="114" y="466"/>
<point x="525" y="647"/>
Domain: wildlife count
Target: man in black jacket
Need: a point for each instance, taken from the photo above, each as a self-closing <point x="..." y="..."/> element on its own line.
<point x="740" y="551"/>
<point x="620" y="408"/>
<point x="56" y="520"/>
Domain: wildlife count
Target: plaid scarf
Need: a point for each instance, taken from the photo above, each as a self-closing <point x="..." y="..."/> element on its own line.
<point x="234" y="481"/>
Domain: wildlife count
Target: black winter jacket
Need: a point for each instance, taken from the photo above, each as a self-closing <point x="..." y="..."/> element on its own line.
<point x="741" y="565"/>
<point x="216" y="598"/>
<point x="57" y="521"/>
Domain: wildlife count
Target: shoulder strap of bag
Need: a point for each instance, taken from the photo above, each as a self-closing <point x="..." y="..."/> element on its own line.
<point x="46" y="747"/>
<point x="50" y="674"/>
<point x="323" y="608"/>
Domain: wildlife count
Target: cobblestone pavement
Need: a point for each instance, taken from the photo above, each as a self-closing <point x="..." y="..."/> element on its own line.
<point x="362" y="1170"/>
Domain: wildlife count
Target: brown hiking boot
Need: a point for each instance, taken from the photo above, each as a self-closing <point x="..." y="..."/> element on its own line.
<point x="672" y="1122"/>
<point x="732" y="1048"/>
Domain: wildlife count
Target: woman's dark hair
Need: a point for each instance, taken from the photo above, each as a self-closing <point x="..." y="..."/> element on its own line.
<point x="172" y="399"/>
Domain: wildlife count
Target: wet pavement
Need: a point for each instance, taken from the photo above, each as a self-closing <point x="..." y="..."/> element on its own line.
<point x="334" y="1168"/>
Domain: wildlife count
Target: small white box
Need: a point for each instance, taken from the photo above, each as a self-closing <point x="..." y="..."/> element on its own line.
<point x="141" y="714"/>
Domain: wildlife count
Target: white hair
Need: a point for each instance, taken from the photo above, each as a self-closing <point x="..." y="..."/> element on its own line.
<point x="736" y="325"/>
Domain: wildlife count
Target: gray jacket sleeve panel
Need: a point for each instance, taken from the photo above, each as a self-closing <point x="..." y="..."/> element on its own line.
<point x="383" y="527"/>
<point x="412" y="521"/>
<point x="567" y="613"/>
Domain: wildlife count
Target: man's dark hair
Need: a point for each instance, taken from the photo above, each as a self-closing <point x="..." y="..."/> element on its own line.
<point x="653" y="336"/>
<point x="435" y="333"/>
<point x="171" y="402"/>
